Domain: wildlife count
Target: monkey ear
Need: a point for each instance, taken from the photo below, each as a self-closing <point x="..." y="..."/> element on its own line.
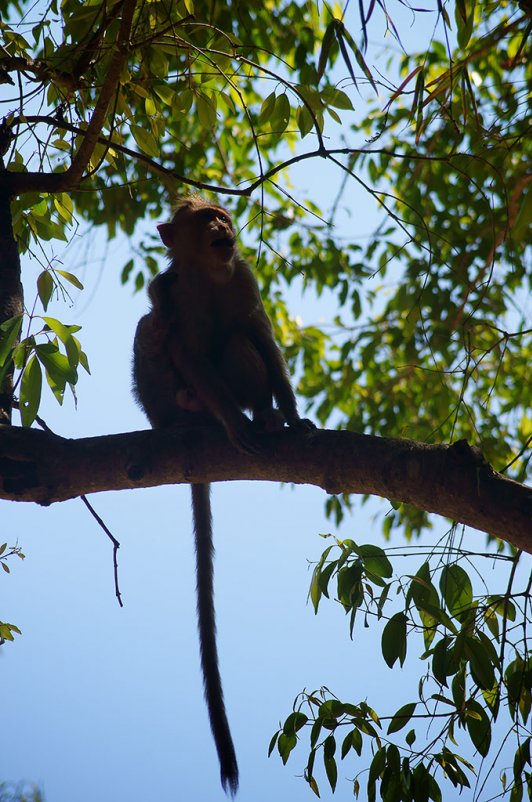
<point x="165" y="232"/>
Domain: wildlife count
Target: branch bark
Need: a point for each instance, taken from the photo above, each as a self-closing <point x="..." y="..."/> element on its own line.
<point x="11" y="292"/>
<point x="453" y="481"/>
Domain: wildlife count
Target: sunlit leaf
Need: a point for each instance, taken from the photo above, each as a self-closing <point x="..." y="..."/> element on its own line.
<point x="30" y="391"/>
<point x="145" y="140"/>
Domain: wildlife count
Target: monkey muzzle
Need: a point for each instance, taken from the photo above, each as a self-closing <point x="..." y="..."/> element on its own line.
<point x="224" y="247"/>
<point x="223" y="242"/>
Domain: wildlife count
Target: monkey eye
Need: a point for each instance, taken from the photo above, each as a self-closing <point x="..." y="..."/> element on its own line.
<point x="216" y="214"/>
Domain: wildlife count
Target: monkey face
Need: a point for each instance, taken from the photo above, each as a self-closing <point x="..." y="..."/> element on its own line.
<point x="218" y="243"/>
<point x="201" y="234"/>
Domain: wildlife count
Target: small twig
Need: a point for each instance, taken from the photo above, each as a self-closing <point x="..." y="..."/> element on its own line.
<point x="114" y="541"/>
<point x="112" y="538"/>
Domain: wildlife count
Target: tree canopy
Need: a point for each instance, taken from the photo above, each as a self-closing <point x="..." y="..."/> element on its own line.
<point x="112" y="109"/>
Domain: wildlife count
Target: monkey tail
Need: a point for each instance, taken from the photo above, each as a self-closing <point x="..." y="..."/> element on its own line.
<point x="212" y="683"/>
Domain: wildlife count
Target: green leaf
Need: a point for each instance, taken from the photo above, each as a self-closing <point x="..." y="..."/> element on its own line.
<point x="315" y="733"/>
<point x="503" y="606"/>
<point x="30" y="391"/>
<point x="410" y="737"/>
<point x="281" y="114"/>
<point x="331" y="96"/>
<point x="145" y="140"/>
<point x="267" y="108"/>
<point x="304" y="120"/>
<point x="83" y="360"/>
<point x="465" y="18"/>
<point x="521" y="759"/>
<point x="350" y="591"/>
<point x="456" y="589"/>
<point x="71" y="278"/>
<point x="45" y="288"/>
<point x="65" y="335"/>
<point x="394" y="640"/>
<point x="444" y="662"/>
<point x="61" y="144"/>
<point x="401" y="717"/>
<point x="480" y="664"/>
<point x="375" y="771"/>
<point x="353" y="740"/>
<point x="273" y="742"/>
<point x="206" y="107"/>
<point x="150" y="106"/>
<point x="294" y="722"/>
<point x="331" y="769"/>
<point x="6" y="630"/>
<point x="422" y="591"/>
<point x="316" y="589"/>
<point x="57" y="367"/>
<point x="126" y="271"/>
<point x="59" y="328"/>
<point x="9" y="333"/>
<point x="458" y="688"/>
<point x="64" y="206"/>
<point x="375" y="560"/>
<point x="326" y="44"/>
<point x="479" y="727"/>
<point x="285" y="744"/>
<point x="358" y="56"/>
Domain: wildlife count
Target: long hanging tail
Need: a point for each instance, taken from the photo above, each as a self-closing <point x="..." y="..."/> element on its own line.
<point x="212" y="683"/>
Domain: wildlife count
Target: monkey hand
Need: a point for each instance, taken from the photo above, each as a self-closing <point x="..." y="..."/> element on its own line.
<point x="302" y="425"/>
<point x="241" y="433"/>
<point x="269" y="420"/>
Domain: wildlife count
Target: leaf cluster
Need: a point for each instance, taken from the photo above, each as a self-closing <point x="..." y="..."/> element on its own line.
<point x="54" y="349"/>
<point x="478" y="672"/>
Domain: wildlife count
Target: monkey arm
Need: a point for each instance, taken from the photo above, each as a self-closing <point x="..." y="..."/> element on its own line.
<point x="262" y="337"/>
<point x="261" y="334"/>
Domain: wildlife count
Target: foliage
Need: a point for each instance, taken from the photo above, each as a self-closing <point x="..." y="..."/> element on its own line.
<point x="115" y="106"/>
<point x="8" y="631"/>
<point x="478" y="670"/>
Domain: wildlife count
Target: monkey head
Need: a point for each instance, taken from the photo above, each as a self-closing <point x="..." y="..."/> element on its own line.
<point x="201" y="234"/>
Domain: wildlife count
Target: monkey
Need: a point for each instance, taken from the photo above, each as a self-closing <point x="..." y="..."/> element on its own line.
<point x="204" y="353"/>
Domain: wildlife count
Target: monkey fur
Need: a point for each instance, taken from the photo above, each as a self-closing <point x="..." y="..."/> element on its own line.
<point x="205" y="352"/>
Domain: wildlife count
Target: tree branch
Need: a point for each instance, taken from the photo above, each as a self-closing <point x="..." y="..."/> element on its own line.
<point x="71" y="178"/>
<point x="453" y="481"/>
<point x="82" y="157"/>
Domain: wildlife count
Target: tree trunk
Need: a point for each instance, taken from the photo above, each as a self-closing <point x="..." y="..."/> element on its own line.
<point x="11" y="293"/>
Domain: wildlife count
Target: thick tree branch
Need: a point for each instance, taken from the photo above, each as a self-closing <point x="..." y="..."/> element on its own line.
<point x="453" y="481"/>
<point x="82" y="157"/>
